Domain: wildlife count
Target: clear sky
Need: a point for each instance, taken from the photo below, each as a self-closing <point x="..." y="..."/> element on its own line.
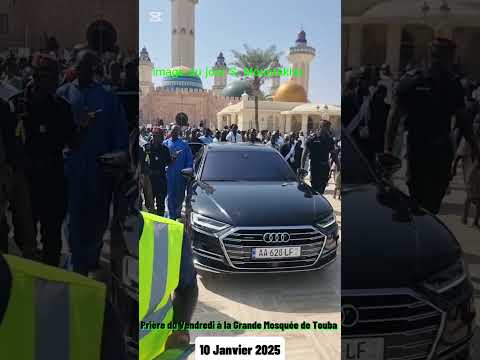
<point x="223" y="25"/>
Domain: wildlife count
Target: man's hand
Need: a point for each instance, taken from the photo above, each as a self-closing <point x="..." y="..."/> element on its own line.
<point x="84" y="120"/>
<point x="178" y="340"/>
<point x="88" y="118"/>
<point x="174" y="154"/>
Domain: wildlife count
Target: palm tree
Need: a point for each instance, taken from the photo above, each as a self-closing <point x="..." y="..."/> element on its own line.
<point x="255" y="59"/>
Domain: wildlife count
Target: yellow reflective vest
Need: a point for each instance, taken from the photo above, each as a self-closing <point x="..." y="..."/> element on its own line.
<point x="160" y="253"/>
<point x="175" y="354"/>
<point x="51" y="314"/>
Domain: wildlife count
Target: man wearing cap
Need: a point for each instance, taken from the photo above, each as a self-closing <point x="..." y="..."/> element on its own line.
<point x="49" y="130"/>
<point x="429" y="100"/>
<point x="100" y="113"/>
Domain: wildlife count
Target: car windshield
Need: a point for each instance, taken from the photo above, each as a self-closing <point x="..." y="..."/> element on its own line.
<point x="246" y="166"/>
<point x="355" y="168"/>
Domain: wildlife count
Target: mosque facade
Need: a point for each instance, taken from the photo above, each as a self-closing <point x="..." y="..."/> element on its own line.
<point x="68" y="21"/>
<point x="183" y="98"/>
<point x="399" y="32"/>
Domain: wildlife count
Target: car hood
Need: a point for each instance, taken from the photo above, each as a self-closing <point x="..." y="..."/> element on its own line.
<point x="259" y="203"/>
<point x="388" y="242"/>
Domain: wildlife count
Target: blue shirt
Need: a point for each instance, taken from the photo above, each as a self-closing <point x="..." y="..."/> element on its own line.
<point x="206" y="139"/>
<point x="184" y="159"/>
<point x="107" y="133"/>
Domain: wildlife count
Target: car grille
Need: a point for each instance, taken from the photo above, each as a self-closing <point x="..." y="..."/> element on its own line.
<point x="409" y="326"/>
<point x="207" y="243"/>
<point x="240" y="243"/>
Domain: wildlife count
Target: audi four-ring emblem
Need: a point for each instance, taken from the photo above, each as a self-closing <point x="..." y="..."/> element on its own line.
<point x="276" y="237"/>
<point x="350" y="316"/>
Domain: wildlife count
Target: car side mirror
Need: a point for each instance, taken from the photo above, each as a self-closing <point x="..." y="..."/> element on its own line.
<point x="302" y="173"/>
<point x="187" y="173"/>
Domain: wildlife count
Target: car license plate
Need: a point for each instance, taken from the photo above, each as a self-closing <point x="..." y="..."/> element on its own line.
<point x="276" y="252"/>
<point x="362" y="349"/>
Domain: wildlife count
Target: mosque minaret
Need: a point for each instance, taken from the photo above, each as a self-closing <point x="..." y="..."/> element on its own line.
<point x="300" y="56"/>
<point x="282" y="105"/>
<point x="183" y="33"/>
<point x="145" y="67"/>
<point x="220" y="79"/>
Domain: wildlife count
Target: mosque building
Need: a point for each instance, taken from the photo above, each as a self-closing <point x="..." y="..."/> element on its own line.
<point x="399" y="32"/>
<point x="183" y="99"/>
<point x="22" y="29"/>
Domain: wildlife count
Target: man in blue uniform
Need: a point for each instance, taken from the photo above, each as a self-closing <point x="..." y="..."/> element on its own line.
<point x="181" y="159"/>
<point x="159" y="157"/>
<point x="101" y="114"/>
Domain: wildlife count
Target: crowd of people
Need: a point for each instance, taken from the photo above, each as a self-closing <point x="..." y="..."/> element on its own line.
<point x="166" y="151"/>
<point x="61" y="110"/>
<point x="427" y="115"/>
<point x="229" y="134"/>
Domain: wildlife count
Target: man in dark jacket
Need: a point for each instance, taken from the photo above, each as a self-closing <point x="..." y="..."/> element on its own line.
<point x="288" y="150"/>
<point x="319" y="148"/>
<point x="14" y="185"/>
<point x="429" y="100"/>
<point x="159" y="156"/>
<point x="49" y="129"/>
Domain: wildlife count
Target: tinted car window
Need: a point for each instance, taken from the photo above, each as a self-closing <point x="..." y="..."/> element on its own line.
<point x="198" y="159"/>
<point x="355" y="169"/>
<point x="246" y="166"/>
<point x="195" y="147"/>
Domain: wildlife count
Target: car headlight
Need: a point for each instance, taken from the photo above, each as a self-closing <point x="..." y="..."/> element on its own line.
<point x="330" y="243"/>
<point x="448" y="278"/>
<point x="327" y="221"/>
<point x="207" y="224"/>
<point x="331" y="234"/>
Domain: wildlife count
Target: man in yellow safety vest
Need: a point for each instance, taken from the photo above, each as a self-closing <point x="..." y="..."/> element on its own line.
<point x="166" y="269"/>
<point x="50" y="313"/>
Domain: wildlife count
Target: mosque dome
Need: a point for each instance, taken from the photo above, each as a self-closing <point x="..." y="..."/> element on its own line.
<point x="181" y="78"/>
<point x="237" y="87"/>
<point x="290" y="92"/>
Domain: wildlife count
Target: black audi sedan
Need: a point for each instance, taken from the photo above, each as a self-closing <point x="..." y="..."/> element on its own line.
<point x="406" y="291"/>
<point x="246" y="211"/>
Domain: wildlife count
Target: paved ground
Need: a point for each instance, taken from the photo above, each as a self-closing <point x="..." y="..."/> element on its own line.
<point x="469" y="238"/>
<point x="467" y="235"/>
<point x="278" y="298"/>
